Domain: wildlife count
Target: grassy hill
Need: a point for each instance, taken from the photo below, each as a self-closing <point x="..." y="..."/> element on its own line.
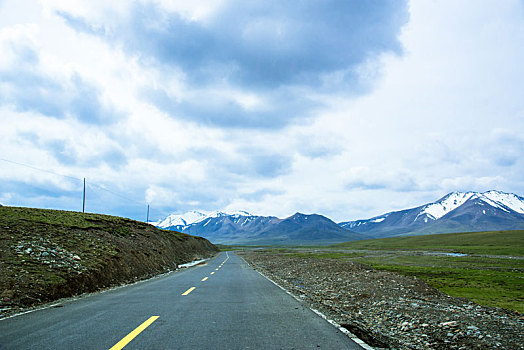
<point x="49" y="254"/>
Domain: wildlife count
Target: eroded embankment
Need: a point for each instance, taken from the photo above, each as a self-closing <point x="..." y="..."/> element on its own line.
<point x="389" y="310"/>
<point x="46" y="254"/>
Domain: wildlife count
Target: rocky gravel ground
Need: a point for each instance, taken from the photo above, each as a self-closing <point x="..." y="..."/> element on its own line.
<point x="50" y="254"/>
<point x="388" y="310"/>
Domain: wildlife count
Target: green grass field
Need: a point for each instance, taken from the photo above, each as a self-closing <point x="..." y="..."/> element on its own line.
<point x="487" y="281"/>
<point x="491" y="274"/>
<point x="490" y="243"/>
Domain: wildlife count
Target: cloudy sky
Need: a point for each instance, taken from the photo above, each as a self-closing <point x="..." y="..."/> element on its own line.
<point x="344" y="108"/>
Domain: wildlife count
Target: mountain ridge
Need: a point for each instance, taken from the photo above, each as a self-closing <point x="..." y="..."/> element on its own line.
<point x="240" y="227"/>
<point x="193" y="217"/>
<point x="454" y="212"/>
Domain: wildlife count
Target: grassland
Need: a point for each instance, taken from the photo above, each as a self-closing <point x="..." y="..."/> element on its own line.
<point x="487" y="281"/>
<point x="490" y="273"/>
<point x="488" y="243"/>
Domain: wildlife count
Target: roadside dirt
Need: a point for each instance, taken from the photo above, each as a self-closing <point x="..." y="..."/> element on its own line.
<point x="46" y="255"/>
<point x="388" y="310"/>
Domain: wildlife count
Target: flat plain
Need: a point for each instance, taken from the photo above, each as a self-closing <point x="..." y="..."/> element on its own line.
<point x="456" y="291"/>
<point x="485" y="267"/>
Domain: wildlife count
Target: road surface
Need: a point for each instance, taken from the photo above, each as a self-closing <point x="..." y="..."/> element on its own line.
<point x="224" y="304"/>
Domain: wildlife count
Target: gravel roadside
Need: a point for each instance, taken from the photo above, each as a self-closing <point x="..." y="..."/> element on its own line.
<point x="389" y="310"/>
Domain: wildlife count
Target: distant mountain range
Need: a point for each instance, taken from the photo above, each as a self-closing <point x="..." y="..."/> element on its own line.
<point x="455" y="212"/>
<point x="243" y="228"/>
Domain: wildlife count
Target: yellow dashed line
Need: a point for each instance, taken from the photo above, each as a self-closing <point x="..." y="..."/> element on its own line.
<point x="213" y="272"/>
<point x="205" y="278"/>
<point x="188" y="291"/>
<point x="134" y="333"/>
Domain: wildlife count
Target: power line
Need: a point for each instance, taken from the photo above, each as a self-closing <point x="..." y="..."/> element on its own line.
<point x="89" y="184"/>
<point x="39" y="169"/>
<point x="95" y="186"/>
<point x="92" y="185"/>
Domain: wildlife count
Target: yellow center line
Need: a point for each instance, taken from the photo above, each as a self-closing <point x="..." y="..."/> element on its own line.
<point x="217" y="269"/>
<point x="134" y="333"/>
<point x="205" y="278"/>
<point x="212" y="272"/>
<point x="188" y="291"/>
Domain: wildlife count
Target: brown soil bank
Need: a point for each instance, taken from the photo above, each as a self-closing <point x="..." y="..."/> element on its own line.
<point x="49" y="254"/>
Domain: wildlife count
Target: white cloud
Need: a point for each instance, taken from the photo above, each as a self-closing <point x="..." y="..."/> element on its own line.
<point x="445" y="115"/>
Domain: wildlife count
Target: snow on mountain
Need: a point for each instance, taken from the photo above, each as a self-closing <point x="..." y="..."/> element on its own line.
<point x="455" y="212"/>
<point x="378" y="219"/>
<point x="355" y="224"/>
<point x="194" y="217"/>
<point x="454" y="200"/>
<point x="236" y="214"/>
<point x="446" y="204"/>
<point x="509" y="200"/>
<point x="181" y="219"/>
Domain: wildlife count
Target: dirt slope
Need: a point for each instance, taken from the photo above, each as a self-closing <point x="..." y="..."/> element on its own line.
<point x="50" y="254"/>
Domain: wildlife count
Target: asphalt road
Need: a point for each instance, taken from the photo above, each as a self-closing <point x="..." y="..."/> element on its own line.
<point x="231" y="306"/>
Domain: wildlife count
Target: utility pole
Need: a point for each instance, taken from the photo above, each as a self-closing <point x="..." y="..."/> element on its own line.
<point x="84" y="201"/>
<point x="147" y="220"/>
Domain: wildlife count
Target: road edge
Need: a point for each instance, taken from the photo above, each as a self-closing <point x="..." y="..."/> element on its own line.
<point x="353" y="337"/>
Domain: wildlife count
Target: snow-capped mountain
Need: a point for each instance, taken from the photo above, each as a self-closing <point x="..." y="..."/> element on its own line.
<point x="504" y="201"/>
<point x="180" y="222"/>
<point x="243" y="228"/>
<point x="457" y="211"/>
